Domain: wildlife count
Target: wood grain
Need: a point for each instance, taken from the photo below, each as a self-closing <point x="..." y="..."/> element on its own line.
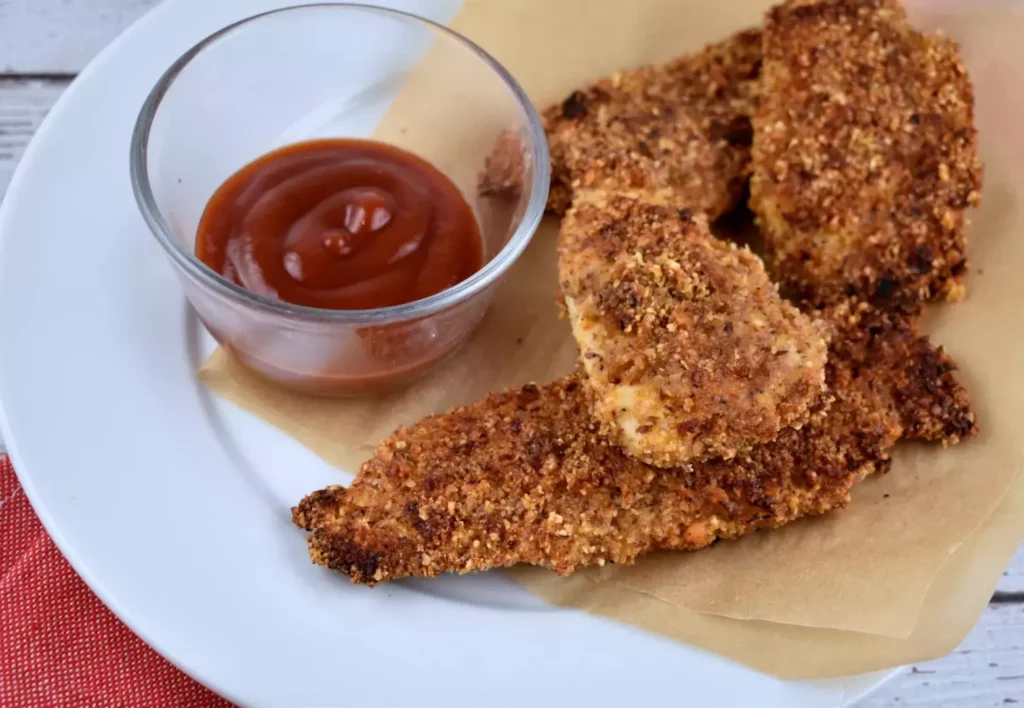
<point x="987" y="670"/>
<point x="23" y="105"/>
<point x="61" y="36"/>
<point x="1011" y="586"/>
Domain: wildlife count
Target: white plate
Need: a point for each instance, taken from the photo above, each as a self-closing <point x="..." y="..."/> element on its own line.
<point x="173" y="506"/>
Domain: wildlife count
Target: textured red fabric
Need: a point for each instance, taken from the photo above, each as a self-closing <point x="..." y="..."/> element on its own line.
<point x="59" y="645"/>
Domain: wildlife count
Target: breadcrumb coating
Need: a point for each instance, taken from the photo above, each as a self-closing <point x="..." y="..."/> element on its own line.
<point x="682" y="127"/>
<point x="687" y="346"/>
<point x="885" y="369"/>
<point x="865" y="153"/>
<point x="525" y="476"/>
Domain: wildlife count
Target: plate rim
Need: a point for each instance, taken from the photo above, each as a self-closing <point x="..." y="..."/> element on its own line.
<point x="41" y="510"/>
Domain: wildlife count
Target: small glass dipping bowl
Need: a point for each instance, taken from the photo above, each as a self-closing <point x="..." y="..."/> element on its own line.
<point x="329" y="71"/>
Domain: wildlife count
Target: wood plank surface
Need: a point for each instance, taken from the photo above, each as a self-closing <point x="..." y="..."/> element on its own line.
<point x="61" y="36"/>
<point x="986" y="671"/>
<point x="23" y="105"/>
<point x="1012" y="583"/>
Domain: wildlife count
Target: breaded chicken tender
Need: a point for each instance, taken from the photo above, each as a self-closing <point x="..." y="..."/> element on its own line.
<point x="526" y="477"/>
<point x="682" y="128"/>
<point x="865" y="153"/>
<point x="686" y="344"/>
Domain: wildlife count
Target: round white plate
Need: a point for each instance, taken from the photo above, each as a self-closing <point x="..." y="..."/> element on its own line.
<point x="173" y="506"/>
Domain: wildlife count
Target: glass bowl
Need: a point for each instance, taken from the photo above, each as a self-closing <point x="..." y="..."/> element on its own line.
<point x="322" y="71"/>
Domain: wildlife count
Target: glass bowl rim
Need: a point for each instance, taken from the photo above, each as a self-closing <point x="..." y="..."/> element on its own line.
<point x="480" y="280"/>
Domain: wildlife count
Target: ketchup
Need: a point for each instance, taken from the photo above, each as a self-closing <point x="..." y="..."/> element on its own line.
<point x="340" y="224"/>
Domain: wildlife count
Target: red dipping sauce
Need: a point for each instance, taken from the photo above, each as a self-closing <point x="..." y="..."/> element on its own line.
<point x="340" y="224"/>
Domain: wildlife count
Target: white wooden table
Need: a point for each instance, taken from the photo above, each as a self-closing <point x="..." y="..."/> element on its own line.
<point x="44" y="43"/>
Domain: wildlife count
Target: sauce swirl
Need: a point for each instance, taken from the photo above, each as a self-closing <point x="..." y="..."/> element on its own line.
<point x="340" y="224"/>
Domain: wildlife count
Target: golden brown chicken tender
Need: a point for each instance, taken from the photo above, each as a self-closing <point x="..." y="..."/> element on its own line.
<point x="865" y="153"/>
<point x="682" y="127"/>
<point x="686" y="344"/>
<point x="525" y="477"/>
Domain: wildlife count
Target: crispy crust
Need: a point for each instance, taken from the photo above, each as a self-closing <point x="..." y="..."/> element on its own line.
<point x="681" y="127"/>
<point x="865" y="153"/>
<point x="525" y="476"/>
<point x="887" y="370"/>
<point x="687" y="346"/>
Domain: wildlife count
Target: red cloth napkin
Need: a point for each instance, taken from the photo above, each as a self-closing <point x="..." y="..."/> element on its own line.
<point x="59" y="645"/>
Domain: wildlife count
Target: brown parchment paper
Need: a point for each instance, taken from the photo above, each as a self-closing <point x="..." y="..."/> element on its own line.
<point x="859" y="583"/>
